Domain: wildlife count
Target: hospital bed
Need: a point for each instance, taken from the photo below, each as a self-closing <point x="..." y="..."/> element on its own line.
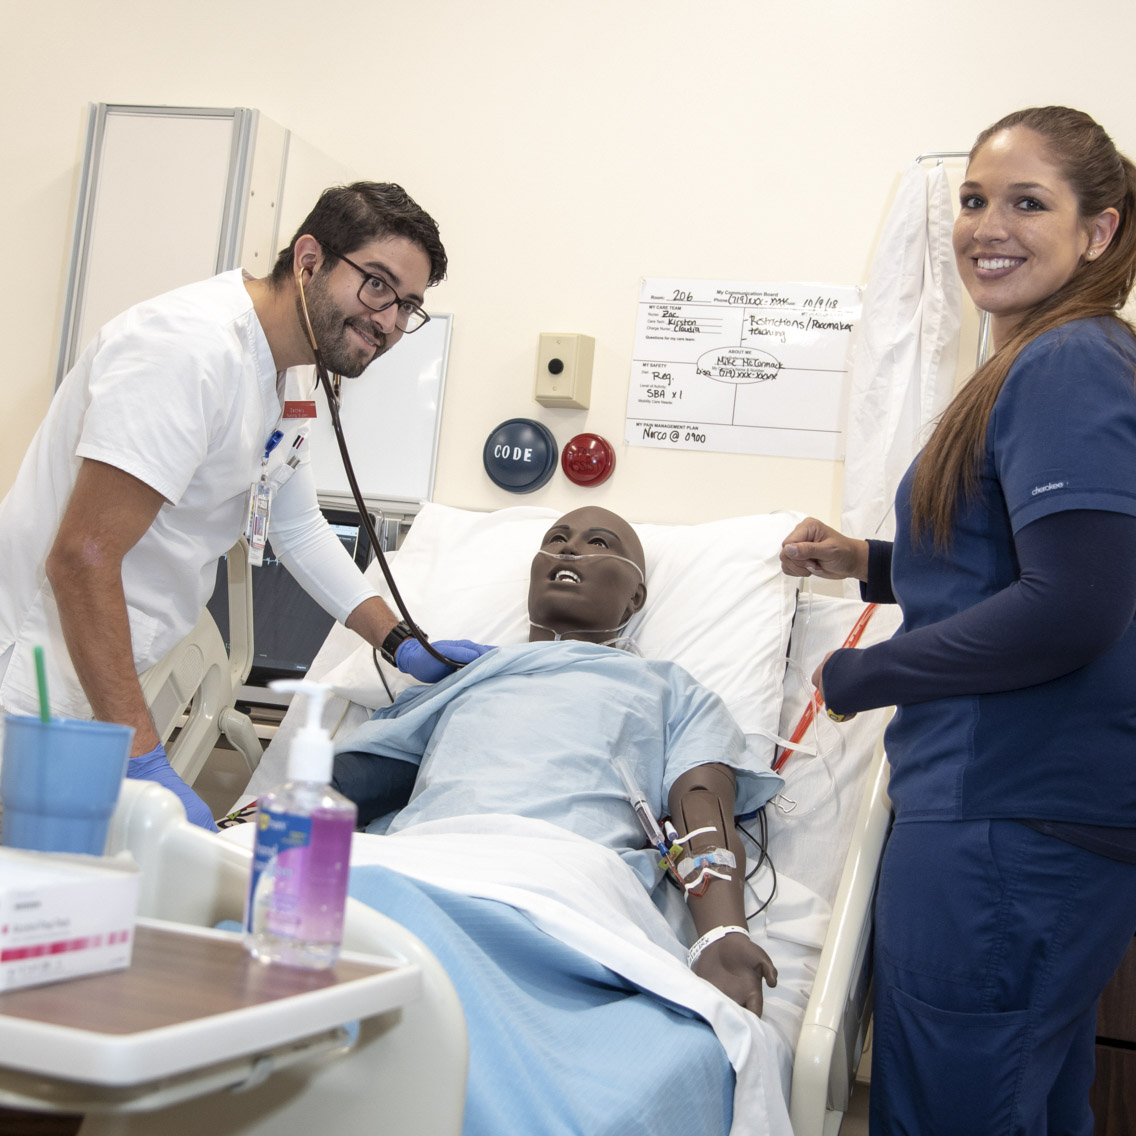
<point x="191" y="691"/>
<point x="719" y="606"/>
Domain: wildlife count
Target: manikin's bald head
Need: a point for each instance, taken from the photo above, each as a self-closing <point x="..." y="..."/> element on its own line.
<point x="590" y="598"/>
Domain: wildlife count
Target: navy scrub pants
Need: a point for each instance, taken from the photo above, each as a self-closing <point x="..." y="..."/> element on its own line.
<point x="993" y="944"/>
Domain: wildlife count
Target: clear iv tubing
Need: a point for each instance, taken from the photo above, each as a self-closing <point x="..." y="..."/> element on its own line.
<point x="333" y="406"/>
<point x="814" y="721"/>
<point x="816" y="703"/>
<point x="558" y="636"/>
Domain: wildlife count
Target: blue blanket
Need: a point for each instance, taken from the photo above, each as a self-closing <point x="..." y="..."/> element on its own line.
<point x="559" y="1044"/>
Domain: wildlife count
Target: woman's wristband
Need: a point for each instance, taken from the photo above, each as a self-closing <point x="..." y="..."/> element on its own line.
<point x="712" y="936"/>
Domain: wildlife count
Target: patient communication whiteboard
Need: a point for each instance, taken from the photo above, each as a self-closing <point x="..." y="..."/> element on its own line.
<point x="391" y="417"/>
<point x="741" y="368"/>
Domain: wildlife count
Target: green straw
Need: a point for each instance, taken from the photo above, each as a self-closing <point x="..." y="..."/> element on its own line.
<point x="41" y="680"/>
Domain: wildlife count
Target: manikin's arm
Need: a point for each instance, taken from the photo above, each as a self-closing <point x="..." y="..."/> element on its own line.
<point x="108" y="514"/>
<point x="704" y="798"/>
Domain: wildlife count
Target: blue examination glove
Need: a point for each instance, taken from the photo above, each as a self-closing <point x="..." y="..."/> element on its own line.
<point x="155" y="766"/>
<point x="413" y="659"/>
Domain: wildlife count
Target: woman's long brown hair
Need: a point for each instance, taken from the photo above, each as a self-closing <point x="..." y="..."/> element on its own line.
<point x="951" y="463"/>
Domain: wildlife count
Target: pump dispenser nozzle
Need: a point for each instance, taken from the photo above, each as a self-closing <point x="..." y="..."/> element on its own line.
<point x="311" y="756"/>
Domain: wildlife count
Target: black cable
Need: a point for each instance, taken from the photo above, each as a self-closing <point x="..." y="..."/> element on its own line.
<point x="382" y="677"/>
<point x="762" y="859"/>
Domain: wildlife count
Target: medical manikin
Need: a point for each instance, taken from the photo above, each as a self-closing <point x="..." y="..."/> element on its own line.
<point x="567" y="728"/>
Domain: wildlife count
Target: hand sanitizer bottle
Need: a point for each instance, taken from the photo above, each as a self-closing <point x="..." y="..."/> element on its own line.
<point x="298" y="891"/>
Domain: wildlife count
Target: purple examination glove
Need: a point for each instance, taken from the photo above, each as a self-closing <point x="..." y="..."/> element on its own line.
<point x="155" y="766"/>
<point x="413" y="659"/>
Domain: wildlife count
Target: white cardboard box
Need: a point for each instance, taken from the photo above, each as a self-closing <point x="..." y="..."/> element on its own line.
<point x="62" y="915"/>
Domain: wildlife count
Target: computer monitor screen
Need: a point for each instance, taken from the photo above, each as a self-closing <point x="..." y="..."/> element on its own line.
<point x="289" y="627"/>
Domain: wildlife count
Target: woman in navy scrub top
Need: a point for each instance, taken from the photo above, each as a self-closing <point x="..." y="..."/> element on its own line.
<point x="1007" y="894"/>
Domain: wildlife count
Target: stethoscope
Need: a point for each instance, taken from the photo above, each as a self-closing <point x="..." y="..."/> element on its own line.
<point x="332" y="394"/>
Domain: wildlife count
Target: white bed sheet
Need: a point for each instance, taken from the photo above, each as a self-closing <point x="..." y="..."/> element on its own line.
<point x="589" y="899"/>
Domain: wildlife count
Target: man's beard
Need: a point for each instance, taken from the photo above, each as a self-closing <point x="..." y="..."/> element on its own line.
<point x="343" y="354"/>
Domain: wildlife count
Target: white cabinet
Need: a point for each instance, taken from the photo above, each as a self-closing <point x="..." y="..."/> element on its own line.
<point x="168" y="195"/>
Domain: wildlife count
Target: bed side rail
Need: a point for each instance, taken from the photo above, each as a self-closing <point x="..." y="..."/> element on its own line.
<point x="192" y="689"/>
<point x="837" y="1015"/>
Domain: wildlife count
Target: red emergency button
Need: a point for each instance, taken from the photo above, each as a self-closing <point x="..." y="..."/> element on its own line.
<point x="587" y="459"/>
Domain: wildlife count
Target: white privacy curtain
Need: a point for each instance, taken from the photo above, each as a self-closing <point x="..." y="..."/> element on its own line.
<point x="904" y="352"/>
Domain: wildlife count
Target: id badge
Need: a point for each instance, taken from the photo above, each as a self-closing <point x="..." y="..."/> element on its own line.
<point x="256" y="527"/>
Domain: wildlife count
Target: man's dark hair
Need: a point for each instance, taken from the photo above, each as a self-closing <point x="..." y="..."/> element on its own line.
<point x="346" y="217"/>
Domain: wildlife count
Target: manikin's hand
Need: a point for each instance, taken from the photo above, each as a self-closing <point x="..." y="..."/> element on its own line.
<point x="413" y="659"/>
<point x="815" y="549"/>
<point x="155" y="766"/>
<point x="737" y="966"/>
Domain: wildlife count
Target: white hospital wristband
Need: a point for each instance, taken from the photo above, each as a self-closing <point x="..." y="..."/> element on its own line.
<point x="712" y="936"/>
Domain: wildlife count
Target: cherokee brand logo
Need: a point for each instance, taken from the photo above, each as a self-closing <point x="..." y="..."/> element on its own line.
<point x="1038" y="489"/>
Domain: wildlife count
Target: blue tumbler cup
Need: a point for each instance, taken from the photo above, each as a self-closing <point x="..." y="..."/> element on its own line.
<point x="59" y="782"/>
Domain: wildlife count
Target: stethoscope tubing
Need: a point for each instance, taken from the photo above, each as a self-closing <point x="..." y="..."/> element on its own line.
<point x="349" y="469"/>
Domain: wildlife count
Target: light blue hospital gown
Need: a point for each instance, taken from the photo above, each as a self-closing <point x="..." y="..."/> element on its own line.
<point x="531" y="729"/>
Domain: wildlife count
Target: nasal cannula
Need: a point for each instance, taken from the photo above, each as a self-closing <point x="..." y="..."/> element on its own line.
<point x="626" y="644"/>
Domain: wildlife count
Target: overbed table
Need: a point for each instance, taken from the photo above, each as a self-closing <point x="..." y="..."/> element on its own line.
<point x="193" y="1014"/>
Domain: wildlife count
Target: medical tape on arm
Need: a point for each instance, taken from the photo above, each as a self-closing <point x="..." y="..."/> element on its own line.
<point x="704" y="863"/>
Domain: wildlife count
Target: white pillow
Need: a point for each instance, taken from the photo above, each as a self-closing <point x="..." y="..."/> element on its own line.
<point x="717" y="603"/>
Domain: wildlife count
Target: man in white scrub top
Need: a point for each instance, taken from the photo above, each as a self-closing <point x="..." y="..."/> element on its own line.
<point x="140" y="475"/>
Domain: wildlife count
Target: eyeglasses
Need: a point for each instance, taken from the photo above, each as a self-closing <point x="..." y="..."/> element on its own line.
<point x="378" y="295"/>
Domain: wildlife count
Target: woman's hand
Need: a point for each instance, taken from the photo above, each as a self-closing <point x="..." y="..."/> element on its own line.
<point x="737" y="966"/>
<point x="815" y="549"/>
<point x="818" y="676"/>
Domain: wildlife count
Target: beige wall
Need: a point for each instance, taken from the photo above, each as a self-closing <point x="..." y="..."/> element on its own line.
<point x="567" y="149"/>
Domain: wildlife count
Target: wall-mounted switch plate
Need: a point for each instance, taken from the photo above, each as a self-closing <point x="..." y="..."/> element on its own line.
<point x="564" y="370"/>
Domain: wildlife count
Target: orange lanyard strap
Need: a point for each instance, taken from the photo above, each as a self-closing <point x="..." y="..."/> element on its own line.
<point x="815" y="703"/>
